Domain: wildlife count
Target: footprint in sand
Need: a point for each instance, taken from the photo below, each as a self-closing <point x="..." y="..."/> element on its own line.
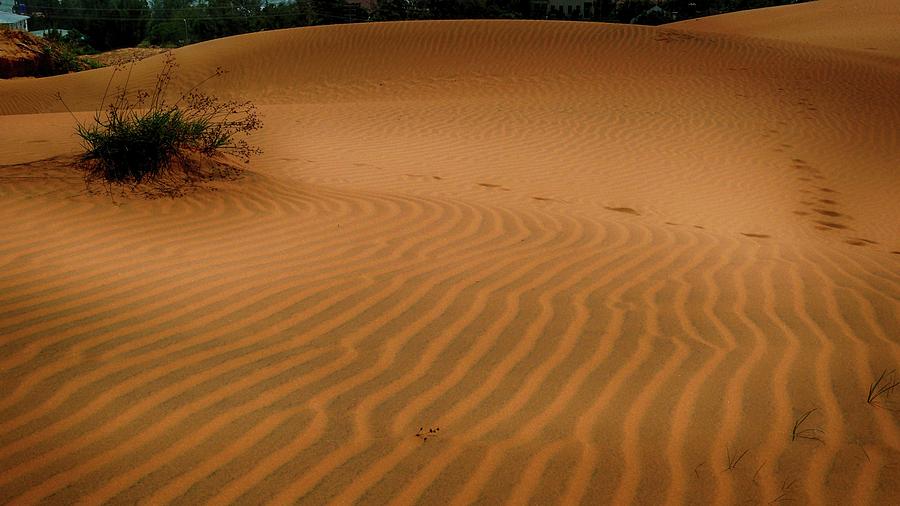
<point x="492" y="185"/>
<point x="758" y="236"/>
<point x="831" y="224"/>
<point x="423" y="177"/>
<point x="626" y="210"/>
<point x="828" y="212"/>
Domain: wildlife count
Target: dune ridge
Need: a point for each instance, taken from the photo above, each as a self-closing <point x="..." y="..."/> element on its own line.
<point x="589" y="263"/>
<point x="862" y="26"/>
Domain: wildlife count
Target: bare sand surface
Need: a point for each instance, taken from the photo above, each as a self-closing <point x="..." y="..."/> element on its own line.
<point x="479" y="262"/>
<point x="868" y="26"/>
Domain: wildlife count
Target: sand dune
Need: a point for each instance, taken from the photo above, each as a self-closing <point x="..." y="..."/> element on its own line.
<point x="589" y="263"/>
<point x="868" y="26"/>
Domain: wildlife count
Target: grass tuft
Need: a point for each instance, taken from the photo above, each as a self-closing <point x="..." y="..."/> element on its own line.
<point x="141" y="137"/>
<point x="880" y="390"/>
<point x="811" y="433"/>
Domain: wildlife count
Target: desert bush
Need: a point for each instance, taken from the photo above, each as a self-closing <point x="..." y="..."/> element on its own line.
<point x="139" y="137"/>
<point x="58" y="59"/>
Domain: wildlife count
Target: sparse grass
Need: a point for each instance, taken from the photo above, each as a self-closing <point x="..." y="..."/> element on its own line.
<point x="141" y="137"/>
<point x="880" y="390"/>
<point x="811" y="433"/>
<point x="92" y="63"/>
<point x="64" y="54"/>
<point x="734" y="460"/>
<point x="786" y="487"/>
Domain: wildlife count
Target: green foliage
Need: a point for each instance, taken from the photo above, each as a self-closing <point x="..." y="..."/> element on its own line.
<point x="109" y="24"/>
<point x="59" y="62"/>
<point x="145" y="138"/>
<point x="65" y="53"/>
<point x="397" y="10"/>
<point x="106" y="24"/>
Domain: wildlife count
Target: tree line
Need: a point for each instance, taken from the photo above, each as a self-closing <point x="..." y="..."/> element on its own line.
<point x="109" y="24"/>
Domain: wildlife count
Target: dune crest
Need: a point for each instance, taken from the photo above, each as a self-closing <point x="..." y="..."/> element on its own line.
<point x="867" y="26"/>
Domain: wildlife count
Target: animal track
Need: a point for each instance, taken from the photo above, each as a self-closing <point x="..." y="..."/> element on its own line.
<point x="626" y="210"/>
<point x="425" y="434"/>
<point x="825" y="206"/>
<point x="492" y="185"/>
<point x="831" y="224"/>
<point x="760" y="236"/>
<point x="423" y="177"/>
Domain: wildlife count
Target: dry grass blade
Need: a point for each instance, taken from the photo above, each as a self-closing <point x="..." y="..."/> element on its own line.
<point x="809" y="433"/>
<point x="734" y="460"/>
<point x="882" y="388"/>
<point x="758" y="469"/>
<point x="786" y="487"/>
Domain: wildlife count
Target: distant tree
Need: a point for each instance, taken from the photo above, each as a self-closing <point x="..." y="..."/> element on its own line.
<point x="626" y="10"/>
<point x="653" y="16"/>
<point x="168" y="22"/>
<point x="110" y="24"/>
<point x="107" y="23"/>
<point x="398" y="10"/>
<point x="287" y="14"/>
<point x="327" y="12"/>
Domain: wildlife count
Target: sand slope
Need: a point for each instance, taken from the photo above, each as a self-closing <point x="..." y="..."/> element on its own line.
<point x="601" y="262"/>
<point x="868" y="26"/>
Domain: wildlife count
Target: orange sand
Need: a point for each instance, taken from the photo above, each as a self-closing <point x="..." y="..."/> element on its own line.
<point x="601" y="260"/>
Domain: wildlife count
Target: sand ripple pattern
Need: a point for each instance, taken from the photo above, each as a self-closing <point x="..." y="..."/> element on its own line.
<point x="445" y="295"/>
